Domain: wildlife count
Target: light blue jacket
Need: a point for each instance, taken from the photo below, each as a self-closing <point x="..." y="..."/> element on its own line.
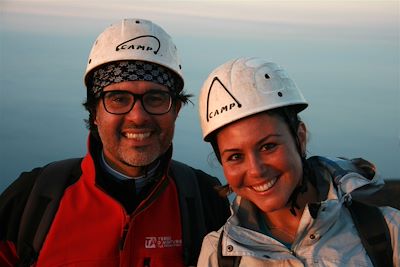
<point x="330" y="239"/>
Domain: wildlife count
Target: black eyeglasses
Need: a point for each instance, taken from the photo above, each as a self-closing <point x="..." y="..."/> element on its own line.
<point x="154" y="102"/>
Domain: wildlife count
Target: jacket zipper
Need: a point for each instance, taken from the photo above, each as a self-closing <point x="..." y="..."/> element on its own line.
<point x="141" y="208"/>
<point x="124" y="234"/>
<point x="131" y="217"/>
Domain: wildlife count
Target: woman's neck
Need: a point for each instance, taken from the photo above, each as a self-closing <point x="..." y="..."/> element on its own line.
<point x="282" y="223"/>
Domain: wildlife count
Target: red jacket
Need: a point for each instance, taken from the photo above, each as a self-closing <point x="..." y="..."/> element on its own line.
<point x="91" y="228"/>
<point x="90" y="221"/>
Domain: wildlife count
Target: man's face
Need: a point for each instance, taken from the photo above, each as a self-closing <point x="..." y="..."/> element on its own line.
<point x="135" y="139"/>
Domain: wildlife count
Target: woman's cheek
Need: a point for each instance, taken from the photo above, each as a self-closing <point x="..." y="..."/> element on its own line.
<point x="233" y="176"/>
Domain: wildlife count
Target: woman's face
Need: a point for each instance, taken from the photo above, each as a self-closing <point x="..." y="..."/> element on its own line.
<point x="260" y="159"/>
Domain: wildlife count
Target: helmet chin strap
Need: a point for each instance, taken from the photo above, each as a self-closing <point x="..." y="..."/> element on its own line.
<point x="300" y="189"/>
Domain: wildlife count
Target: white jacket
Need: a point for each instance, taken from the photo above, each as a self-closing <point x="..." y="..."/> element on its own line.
<point x="330" y="239"/>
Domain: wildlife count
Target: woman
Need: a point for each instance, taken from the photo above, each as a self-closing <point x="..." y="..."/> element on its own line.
<point x="289" y="210"/>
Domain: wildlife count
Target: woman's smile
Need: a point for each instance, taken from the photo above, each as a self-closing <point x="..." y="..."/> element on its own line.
<point x="265" y="185"/>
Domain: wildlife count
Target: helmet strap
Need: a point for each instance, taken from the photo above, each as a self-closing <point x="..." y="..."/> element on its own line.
<point x="300" y="189"/>
<point x="290" y="116"/>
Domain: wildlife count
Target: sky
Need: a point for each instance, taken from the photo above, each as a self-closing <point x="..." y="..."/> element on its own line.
<point x="344" y="56"/>
<point x="305" y="16"/>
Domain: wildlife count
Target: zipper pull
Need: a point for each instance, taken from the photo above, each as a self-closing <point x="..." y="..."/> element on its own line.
<point x="146" y="262"/>
<point x="124" y="233"/>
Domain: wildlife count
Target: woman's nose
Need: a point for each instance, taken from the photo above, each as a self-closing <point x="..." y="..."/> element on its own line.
<point x="256" y="167"/>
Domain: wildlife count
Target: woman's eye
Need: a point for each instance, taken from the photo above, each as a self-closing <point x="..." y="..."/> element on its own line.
<point x="268" y="146"/>
<point x="234" y="157"/>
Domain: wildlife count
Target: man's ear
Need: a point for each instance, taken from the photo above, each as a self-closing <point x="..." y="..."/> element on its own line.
<point x="94" y="116"/>
<point x="178" y="106"/>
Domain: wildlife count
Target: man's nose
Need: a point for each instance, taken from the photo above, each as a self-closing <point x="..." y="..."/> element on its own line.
<point x="138" y="114"/>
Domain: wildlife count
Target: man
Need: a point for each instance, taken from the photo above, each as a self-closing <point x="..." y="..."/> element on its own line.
<point x="125" y="203"/>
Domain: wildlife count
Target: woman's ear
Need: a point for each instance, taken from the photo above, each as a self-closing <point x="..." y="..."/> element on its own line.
<point x="302" y="135"/>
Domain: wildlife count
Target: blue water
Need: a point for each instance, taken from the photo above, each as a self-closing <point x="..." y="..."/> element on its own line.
<point x="352" y="87"/>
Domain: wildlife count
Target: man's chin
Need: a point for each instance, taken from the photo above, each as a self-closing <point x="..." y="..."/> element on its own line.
<point x="140" y="159"/>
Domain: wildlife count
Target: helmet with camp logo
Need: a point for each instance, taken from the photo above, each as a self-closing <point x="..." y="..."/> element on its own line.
<point x="134" y="39"/>
<point x="243" y="87"/>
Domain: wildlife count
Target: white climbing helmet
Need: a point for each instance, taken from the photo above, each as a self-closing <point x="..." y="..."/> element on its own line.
<point x="243" y="87"/>
<point x="134" y="39"/>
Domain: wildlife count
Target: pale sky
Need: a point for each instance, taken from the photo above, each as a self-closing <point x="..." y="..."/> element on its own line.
<point x="187" y="16"/>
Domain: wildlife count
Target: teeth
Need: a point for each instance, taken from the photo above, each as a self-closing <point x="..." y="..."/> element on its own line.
<point x="137" y="136"/>
<point x="266" y="186"/>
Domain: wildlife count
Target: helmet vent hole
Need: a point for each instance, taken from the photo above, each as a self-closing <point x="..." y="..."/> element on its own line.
<point x="90" y="61"/>
<point x="280" y="94"/>
<point x="266" y="76"/>
<point x="137" y="21"/>
<point x="180" y="67"/>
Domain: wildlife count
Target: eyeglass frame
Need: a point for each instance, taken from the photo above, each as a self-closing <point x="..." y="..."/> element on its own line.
<point x="172" y="96"/>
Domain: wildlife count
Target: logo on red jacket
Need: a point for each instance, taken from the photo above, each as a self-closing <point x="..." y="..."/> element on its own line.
<point x="162" y="242"/>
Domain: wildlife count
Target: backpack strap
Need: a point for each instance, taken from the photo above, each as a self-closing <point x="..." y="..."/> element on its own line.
<point x="373" y="231"/>
<point x="41" y="207"/>
<point x="226" y="261"/>
<point x="368" y="219"/>
<point x="192" y="216"/>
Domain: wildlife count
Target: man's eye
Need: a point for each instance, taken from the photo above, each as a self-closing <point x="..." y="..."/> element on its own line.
<point x="121" y="99"/>
<point x="156" y="99"/>
<point x="118" y="98"/>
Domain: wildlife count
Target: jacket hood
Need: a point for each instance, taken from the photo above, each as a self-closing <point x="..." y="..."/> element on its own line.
<point x="355" y="178"/>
